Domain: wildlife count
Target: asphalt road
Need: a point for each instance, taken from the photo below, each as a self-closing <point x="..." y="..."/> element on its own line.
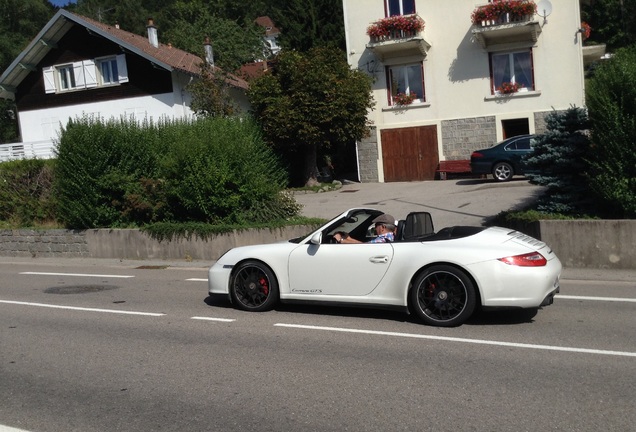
<point x="90" y="345"/>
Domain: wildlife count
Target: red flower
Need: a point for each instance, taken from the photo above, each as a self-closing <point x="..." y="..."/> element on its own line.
<point x="404" y="98"/>
<point x="509" y="87"/>
<point x="586" y="30"/>
<point x="516" y="9"/>
<point x="410" y="24"/>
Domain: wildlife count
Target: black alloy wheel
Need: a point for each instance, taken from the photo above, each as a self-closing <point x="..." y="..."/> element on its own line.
<point x="443" y="296"/>
<point x="253" y="287"/>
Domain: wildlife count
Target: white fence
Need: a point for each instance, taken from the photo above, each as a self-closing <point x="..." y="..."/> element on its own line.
<point x="27" y="150"/>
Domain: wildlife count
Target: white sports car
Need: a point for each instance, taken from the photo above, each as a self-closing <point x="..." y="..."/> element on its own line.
<point x="442" y="277"/>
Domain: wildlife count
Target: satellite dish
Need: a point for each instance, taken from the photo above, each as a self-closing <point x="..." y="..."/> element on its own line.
<point x="544" y="8"/>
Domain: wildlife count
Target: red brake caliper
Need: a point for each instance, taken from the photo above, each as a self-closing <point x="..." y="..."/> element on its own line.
<point x="264" y="286"/>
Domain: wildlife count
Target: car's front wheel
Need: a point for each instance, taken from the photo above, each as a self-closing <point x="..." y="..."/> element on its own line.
<point x="253" y="287"/>
<point x="443" y="296"/>
<point x="502" y="171"/>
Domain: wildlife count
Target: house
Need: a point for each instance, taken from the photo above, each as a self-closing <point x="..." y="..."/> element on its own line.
<point x="450" y="77"/>
<point x="270" y="36"/>
<point x="77" y="66"/>
<point x="270" y="49"/>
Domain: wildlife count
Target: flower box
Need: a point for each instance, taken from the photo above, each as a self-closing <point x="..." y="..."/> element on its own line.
<point x="503" y="11"/>
<point x="395" y="27"/>
<point x="509" y="88"/>
<point x="403" y="99"/>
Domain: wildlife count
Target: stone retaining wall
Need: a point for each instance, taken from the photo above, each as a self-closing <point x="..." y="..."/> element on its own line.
<point x="48" y="243"/>
<point x="604" y="244"/>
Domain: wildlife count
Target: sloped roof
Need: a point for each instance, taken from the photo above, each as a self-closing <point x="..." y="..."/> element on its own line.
<point x="164" y="56"/>
<point x="268" y="24"/>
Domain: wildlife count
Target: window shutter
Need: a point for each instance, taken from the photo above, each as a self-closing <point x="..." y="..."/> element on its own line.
<point x="49" y="79"/>
<point x="90" y="73"/>
<point x="122" y="69"/>
<point x="78" y="73"/>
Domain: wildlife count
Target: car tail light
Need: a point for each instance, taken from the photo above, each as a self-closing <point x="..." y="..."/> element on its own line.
<point x="476" y="155"/>
<point x="532" y="259"/>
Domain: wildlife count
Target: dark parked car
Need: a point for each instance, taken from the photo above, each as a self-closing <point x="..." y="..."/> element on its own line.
<point x="504" y="159"/>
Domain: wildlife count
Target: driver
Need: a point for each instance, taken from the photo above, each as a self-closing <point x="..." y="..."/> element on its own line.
<point x="384" y="228"/>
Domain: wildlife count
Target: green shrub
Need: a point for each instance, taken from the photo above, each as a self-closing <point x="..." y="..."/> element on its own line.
<point x="212" y="170"/>
<point x="611" y="100"/>
<point x="25" y="192"/>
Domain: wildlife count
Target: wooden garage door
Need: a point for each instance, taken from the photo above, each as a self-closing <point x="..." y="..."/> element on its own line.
<point x="409" y="154"/>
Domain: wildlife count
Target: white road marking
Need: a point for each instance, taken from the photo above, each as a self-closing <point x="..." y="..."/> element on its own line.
<point x="4" y="428"/>
<point x="464" y="340"/>
<point x="213" y="319"/>
<point x="196" y="280"/>
<point x="76" y="275"/>
<point x="113" y="311"/>
<point x="609" y="299"/>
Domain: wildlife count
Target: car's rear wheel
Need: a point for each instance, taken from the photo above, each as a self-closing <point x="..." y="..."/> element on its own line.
<point x="443" y="296"/>
<point x="502" y="171"/>
<point x="253" y="287"/>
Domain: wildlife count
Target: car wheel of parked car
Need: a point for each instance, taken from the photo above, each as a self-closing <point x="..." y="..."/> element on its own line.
<point x="443" y="296"/>
<point x="502" y="171"/>
<point x="253" y="287"/>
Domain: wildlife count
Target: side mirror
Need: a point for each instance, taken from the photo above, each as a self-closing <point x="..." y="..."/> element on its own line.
<point x="316" y="238"/>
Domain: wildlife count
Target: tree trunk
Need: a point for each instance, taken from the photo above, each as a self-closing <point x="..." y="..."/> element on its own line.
<point x="311" y="169"/>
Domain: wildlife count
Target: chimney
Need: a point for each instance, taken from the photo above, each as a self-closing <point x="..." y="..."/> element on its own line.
<point x="209" y="54"/>
<point x="152" y="33"/>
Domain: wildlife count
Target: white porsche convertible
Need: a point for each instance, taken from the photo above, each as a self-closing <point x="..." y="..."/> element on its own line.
<point x="443" y="277"/>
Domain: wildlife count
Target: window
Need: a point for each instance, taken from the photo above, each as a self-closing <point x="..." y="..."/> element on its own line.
<point x="407" y="79"/>
<point x="400" y="7"/>
<point x="84" y="74"/>
<point x="108" y="71"/>
<point x="66" y="77"/>
<point x="512" y="67"/>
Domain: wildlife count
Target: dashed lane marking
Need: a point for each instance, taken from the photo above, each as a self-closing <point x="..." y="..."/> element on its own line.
<point x="77" y="275"/>
<point x="113" y="311"/>
<point x="212" y="319"/>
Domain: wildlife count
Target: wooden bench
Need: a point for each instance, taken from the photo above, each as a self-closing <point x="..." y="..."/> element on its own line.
<point x="452" y="166"/>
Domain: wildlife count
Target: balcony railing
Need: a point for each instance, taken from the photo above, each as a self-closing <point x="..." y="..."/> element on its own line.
<point x="27" y="150"/>
<point x="398" y="35"/>
<point x="506" y="29"/>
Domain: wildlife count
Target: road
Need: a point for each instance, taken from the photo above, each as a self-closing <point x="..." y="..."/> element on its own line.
<point x="90" y="345"/>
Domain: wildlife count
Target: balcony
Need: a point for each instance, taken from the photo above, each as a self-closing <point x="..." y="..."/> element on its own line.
<point x="398" y="36"/>
<point x="507" y="31"/>
<point x="399" y="44"/>
<point x="505" y="22"/>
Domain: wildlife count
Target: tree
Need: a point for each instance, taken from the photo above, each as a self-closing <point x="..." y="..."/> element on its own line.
<point x="307" y="24"/>
<point x="311" y="101"/>
<point x="611" y="100"/>
<point x="558" y="163"/>
<point x="613" y="22"/>
<point x="210" y="94"/>
<point x="233" y="44"/>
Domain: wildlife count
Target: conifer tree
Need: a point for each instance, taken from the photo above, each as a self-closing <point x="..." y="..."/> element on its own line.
<point x="558" y="163"/>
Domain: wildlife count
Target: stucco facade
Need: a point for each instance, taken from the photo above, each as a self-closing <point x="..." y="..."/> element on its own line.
<point x="461" y="66"/>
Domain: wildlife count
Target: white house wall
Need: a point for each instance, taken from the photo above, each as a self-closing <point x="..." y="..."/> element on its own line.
<point x="45" y="124"/>
<point x="456" y="67"/>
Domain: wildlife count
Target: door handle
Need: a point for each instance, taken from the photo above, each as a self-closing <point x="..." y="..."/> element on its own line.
<point x="379" y="259"/>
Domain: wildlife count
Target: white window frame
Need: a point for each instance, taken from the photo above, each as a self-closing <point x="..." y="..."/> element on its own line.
<point x="65" y="77"/>
<point x="112" y="75"/>
<point x="387" y="5"/>
<point x="408" y="85"/>
<point x="81" y="75"/>
<point x="513" y="75"/>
